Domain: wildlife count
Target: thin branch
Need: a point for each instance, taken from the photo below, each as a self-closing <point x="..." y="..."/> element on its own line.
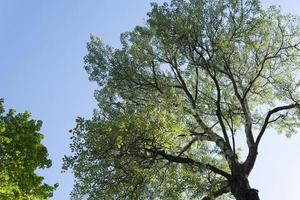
<point x="267" y="119"/>
<point x="197" y="83"/>
<point x="155" y="77"/>
<point x="217" y="193"/>
<point x="186" y="147"/>
<point x="250" y="160"/>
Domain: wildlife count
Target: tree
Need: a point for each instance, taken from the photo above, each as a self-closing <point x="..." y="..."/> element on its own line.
<point x="174" y="97"/>
<point x="21" y="154"/>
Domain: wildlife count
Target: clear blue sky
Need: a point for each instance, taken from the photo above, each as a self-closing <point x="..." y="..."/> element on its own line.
<point x="41" y="70"/>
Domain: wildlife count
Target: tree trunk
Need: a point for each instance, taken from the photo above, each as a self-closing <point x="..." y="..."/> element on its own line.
<point x="250" y="194"/>
<point x="241" y="189"/>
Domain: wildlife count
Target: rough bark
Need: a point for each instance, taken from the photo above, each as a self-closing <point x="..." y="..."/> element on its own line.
<point x="247" y="194"/>
<point x="241" y="190"/>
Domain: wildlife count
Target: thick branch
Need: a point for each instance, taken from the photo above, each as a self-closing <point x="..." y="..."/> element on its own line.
<point x="219" y="111"/>
<point x="226" y="148"/>
<point x="245" y="108"/>
<point x="186" y="160"/>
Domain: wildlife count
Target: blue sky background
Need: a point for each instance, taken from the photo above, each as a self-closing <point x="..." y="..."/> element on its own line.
<point x="41" y="70"/>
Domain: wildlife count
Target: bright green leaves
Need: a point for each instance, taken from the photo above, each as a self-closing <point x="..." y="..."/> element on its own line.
<point x="113" y="158"/>
<point x="21" y="153"/>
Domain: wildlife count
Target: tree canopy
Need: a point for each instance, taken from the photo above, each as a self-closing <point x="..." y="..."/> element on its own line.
<point x="173" y="98"/>
<point x="21" y="154"/>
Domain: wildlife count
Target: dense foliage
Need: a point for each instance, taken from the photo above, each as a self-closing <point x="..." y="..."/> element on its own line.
<point x="21" y="154"/>
<point x="173" y="98"/>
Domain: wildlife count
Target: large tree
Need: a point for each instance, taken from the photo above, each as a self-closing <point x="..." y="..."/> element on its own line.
<point x="21" y="154"/>
<point x="173" y="99"/>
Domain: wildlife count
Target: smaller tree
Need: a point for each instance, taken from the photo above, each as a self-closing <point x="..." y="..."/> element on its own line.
<point x="21" y="153"/>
